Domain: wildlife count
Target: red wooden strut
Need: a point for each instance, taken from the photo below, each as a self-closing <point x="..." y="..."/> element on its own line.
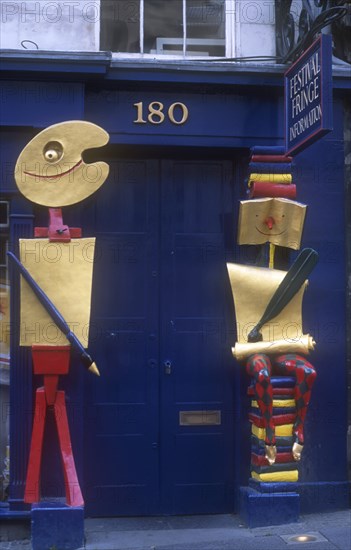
<point x="57" y="231"/>
<point x="51" y="361"/>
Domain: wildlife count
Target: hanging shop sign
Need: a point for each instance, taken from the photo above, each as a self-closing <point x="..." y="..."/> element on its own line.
<point x="308" y="96"/>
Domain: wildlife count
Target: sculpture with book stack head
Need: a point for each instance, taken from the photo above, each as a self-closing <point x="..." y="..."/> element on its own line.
<point x="270" y="338"/>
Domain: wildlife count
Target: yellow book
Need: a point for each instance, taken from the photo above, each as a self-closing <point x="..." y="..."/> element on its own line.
<point x="277" y="403"/>
<point x="270" y="178"/>
<point x="292" y="475"/>
<point x="280" y="431"/>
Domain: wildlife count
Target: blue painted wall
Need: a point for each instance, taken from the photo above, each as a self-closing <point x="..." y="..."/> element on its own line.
<point x="320" y="177"/>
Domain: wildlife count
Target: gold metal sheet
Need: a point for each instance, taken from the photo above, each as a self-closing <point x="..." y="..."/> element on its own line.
<point x="64" y="271"/>
<point x="200" y="418"/>
<point x="252" y="289"/>
<point x="288" y="216"/>
<point x="50" y="170"/>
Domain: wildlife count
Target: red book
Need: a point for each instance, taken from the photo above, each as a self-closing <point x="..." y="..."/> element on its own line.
<point x="278" y="420"/>
<point x="270" y="158"/>
<point x="284" y="391"/>
<point x="260" y="189"/>
<point x="276" y="391"/>
<point x="260" y="460"/>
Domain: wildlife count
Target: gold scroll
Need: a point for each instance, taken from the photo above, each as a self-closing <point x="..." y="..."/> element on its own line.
<point x="302" y="345"/>
<point x="252" y="289"/>
<point x="64" y="271"/>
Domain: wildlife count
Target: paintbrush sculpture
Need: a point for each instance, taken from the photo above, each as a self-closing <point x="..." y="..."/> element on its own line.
<point x="50" y="171"/>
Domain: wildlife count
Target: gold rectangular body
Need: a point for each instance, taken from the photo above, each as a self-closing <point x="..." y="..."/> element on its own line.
<point x="64" y="272"/>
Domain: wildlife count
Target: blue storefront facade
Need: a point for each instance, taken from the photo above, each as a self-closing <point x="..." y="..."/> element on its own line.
<point x="162" y="314"/>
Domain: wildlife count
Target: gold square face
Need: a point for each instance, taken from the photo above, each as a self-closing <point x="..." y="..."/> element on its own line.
<point x="274" y="220"/>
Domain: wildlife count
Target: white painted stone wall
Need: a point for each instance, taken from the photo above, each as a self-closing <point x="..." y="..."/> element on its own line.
<point x="255" y="26"/>
<point x="61" y="25"/>
<point x="74" y="25"/>
<point x="254" y="33"/>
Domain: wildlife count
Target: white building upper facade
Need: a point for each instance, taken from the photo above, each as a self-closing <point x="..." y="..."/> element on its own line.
<point x="143" y="28"/>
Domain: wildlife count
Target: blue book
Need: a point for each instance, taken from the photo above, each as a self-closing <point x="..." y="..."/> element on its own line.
<point x="286" y="441"/>
<point x="270" y="167"/>
<point x="277" y="411"/>
<point x="262" y="450"/>
<point x="271" y="487"/>
<point x="283" y="381"/>
<point x="268" y="150"/>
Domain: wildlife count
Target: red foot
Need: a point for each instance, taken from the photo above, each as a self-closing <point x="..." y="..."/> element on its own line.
<point x="73" y="492"/>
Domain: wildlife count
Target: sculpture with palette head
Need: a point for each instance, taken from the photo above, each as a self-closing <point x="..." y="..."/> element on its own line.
<point x="56" y="283"/>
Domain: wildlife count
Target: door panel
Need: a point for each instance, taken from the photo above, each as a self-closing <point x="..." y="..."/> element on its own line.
<point x="159" y="335"/>
<point x="199" y="473"/>
<point x="122" y="405"/>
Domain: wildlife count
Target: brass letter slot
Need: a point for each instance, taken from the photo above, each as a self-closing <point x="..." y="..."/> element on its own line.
<point x="200" y="418"/>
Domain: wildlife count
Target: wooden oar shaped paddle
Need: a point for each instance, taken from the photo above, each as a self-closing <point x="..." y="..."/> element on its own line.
<point x="292" y="282"/>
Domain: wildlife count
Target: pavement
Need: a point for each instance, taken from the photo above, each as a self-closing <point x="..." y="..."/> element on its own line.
<point x="214" y="532"/>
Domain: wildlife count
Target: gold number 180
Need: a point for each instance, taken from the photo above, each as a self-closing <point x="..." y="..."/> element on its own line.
<point x="156" y="115"/>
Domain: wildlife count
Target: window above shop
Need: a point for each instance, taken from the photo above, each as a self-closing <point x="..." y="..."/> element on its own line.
<point x="240" y="30"/>
<point x="142" y="28"/>
<point x="159" y="27"/>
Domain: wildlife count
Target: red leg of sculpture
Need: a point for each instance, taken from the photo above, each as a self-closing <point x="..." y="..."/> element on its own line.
<point x="305" y="375"/>
<point x="73" y="492"/>
<point x="51" y="361"/>
<point x="259" y="367"/>
<point x="32" y="493"/>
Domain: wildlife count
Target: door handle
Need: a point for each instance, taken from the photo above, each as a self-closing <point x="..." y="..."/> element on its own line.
<point x="168" y="366"/>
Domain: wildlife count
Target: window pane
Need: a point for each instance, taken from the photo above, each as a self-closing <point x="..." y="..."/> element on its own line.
<point x="4" y="213"/>
<point x="205" y="27"/>
<point x="163" y="26"/>
<point x="120" y="24"/>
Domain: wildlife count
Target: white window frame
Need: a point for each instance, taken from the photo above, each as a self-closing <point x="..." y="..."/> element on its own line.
<point x="230" y="38"/>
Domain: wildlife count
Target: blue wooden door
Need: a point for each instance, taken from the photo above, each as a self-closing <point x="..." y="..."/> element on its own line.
<point x="159" y="423"/>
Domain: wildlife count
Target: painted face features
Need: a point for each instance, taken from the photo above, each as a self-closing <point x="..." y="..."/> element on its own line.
<point x="50" y="170"/>
<point x="278" y="221"/>
<point x="271" y="226"/>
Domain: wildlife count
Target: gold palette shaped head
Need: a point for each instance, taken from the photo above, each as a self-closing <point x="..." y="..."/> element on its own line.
<point x="274" y="220"/>
<point x="50" y="170"/>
